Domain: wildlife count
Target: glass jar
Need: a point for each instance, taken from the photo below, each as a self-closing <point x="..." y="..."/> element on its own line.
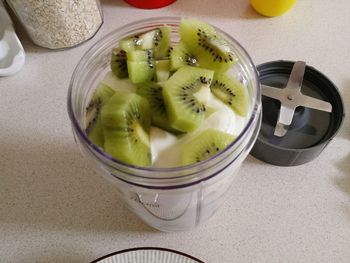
<point x="58" y="24"/>
<point x="169" y="199"/>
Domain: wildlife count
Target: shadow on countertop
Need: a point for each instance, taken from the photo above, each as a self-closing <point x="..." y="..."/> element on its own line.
<point x="343" y="182"/>
<point x="343" y="165"/>
<point x="345" y="93"/>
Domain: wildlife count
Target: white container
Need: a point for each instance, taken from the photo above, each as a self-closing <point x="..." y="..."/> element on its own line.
<point x="12" y="54"/>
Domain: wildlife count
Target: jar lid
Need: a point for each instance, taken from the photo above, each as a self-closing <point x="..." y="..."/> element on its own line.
<point x="149" y="4"/>
<point x="302" y="110"/>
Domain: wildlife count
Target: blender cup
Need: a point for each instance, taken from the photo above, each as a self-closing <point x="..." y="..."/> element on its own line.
<point x="168" y="199"/>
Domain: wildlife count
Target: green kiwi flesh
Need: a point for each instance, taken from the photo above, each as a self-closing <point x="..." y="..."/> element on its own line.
<point x="204" y="146"/>
<point x="211" y="50"/>
<point x="94" y="128"/>
<point x="140" y="55"/>
<point x="180" y="56"/>
<point x="153" y="92"/>
<point x="157" y="39"/>
<point x="140" y="71"/>
<point x="185" y="111"/>
<point x="126" y="123"/>
<point x="162" y="42"/>
<point x="118" y="63"/>
<point x="162" y="72"/>
<point x="231" y="91"/>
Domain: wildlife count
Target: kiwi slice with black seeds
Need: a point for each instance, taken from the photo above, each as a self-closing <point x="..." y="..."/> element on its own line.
<point x="186" y="111"/>
<point x="94" y="127"/>
<point x="140" y="55"/>
<point x="210" y="49"/>
<point x="157" y="39"/>
<point x="162" y="40"/>
<point x="126" y="124"/>
<point x="118" y="63"/>
<point x="231" y="91"/>
<point x="153" y="92"/>
<point x="207" y="144"/>
<point x="180" y="56"/>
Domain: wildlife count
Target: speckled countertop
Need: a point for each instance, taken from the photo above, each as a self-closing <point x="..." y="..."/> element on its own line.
<point x="54" y="208"/>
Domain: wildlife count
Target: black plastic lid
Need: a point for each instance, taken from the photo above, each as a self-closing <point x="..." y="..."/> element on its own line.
<point x="310" y="130"/>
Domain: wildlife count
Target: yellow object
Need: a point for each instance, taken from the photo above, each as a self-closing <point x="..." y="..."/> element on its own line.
<point x="272" y="7"/>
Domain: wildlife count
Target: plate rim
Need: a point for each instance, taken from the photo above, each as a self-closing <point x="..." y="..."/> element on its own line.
<point x="147" y="248"/>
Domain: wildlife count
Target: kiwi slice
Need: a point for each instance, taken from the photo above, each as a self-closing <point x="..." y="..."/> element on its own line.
<point x="140" y="55"/>
<point x="118" y="63"/>
<point x="140" y="65"/>
<point x="186" y="111"/>
<point x="157" y="39"/>
<point x="126" y="123"/>
<point x="207" y="144"/>
<point x="230" y="91"/>
<point x="140" y="71"/>
<point x="162" y="42"/>
<point x="210" y="50"/>
<point x="94" y="128"/>
<point x="153" y="92"/>
<point x="180" y="56"/>
<point x="162" y="70"/>
<point x="141" y="41"/>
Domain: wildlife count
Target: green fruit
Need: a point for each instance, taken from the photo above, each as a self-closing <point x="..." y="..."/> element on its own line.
<point x="140" y="71"/>
<point x="207" y="144"/>
<point x="118" y="63"/>
<point x="126" y="123"/>
<point x="231" y="91"/>
<point x="185" y="111"/>
<point x="154" y="95"/>
<point x="180" y="56"/>
<point x="162" y="42"/>
<point x="140" y="55"/>
<point x="210" y="50"/>
<point x="94" y="128"/>
<point x="132" y="43"/>
<point x="162" y="70"/>
<point x="157" y="39"/>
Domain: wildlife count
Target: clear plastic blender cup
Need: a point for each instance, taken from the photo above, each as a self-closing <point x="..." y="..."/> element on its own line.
<point x="168" y="199"/>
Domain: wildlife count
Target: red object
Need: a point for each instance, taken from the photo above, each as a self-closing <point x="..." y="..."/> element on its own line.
<point x="149" y="4"/>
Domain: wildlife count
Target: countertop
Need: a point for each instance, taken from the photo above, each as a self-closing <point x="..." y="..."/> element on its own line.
<point x="55" y="208"/>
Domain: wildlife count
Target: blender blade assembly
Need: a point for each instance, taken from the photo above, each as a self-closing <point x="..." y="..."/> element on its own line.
<point x="291" y="97"/>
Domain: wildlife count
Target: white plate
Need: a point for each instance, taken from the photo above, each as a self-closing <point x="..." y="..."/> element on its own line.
<point x="148" y="255"/>
<point x="11" y="51"/>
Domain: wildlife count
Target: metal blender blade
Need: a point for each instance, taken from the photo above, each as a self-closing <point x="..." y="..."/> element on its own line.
<point x="291" y="98"/>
